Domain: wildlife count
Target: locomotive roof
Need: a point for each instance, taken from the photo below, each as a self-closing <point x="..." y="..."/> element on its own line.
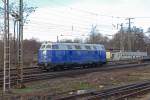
<point x="74" y="46"/>
<point x="68" y="43"/>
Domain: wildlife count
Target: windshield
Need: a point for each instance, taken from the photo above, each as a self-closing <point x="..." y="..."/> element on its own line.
<point x="42" y="47"/>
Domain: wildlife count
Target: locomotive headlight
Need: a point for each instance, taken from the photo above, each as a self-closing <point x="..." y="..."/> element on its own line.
<point x="44" y="54"/>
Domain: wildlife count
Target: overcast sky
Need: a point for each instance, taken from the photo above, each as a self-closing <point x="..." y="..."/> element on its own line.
<point x="74" y="18"/>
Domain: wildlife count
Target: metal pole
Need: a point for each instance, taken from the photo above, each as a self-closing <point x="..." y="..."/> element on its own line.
<point x="122" y="39"/>
<point x="57" y="38"/>
<point x="129" y="34"/>
<point x="20" y="47"/>
<point x="6" y="80"/>
<point x="93" y="34"/>
<point x="14" y="43"/>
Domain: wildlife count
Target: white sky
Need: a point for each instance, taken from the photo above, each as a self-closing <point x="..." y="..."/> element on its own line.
<point x="74" y="18"/>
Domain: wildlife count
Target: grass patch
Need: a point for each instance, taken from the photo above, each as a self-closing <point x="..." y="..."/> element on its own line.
<point x="25" y="90"/>
<point x="83" y="86"/>
<point x="58" y="88"/>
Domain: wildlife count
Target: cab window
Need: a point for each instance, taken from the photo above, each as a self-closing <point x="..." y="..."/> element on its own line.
<point x="69" y="46"/>
<point x="48" y="47"/>
<point x="55" y="47"/>
<point x="77" y="47"/>
<point x="88" y="47"/>
<point x="94" y="47"/>
<point x="43" y="46"/>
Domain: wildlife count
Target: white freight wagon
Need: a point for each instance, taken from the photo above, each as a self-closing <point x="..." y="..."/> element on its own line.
<point x="128" y="55"/>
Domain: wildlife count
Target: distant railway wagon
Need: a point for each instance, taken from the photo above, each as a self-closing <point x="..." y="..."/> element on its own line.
<point x="128" y="55"/>
<point x="57" y="55"/>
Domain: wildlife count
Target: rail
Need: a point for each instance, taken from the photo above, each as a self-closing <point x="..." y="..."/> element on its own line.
<point x="117" y="93"/>
<point x="35" y="75"/>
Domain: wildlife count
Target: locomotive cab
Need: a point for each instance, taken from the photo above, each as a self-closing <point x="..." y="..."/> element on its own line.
<point x="44" y="56"/>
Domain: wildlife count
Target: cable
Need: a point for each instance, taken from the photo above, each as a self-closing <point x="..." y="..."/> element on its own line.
<point x="70" y="18"/>
<point x="96" y="14"/>
<point x="67" y="29"/>
<point x="88" y="12"/>
<point x="60" y="25"/>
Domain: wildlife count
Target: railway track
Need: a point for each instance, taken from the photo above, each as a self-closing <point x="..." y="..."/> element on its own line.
<point x="125" y="92"/>
<point x="36" y="70"/>
<point x="116" y="93"/>
<point x="31" y="76"/>
<point x="26" y="69"/>
<point x="70" y="73"/>
<point x="109" y="63"/>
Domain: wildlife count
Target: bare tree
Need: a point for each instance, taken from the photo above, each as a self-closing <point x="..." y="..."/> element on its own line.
<point x="30" y="51"/>
<point x="14" y="12"/>
<point x="136" y="37"/>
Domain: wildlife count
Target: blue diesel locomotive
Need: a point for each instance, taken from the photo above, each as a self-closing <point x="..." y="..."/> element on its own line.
<point x="60" y="55"/>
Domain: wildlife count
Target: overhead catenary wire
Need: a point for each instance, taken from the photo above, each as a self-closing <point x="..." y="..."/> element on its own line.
<point x="73" y="21"/>
<point x="67" y="25"/>
<point x="68" y="18"/>
<point x="98" y="14"/>
<point x="82" y="11"/>
<point x="59" y="13"/>
<point x="56" y="26"/>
